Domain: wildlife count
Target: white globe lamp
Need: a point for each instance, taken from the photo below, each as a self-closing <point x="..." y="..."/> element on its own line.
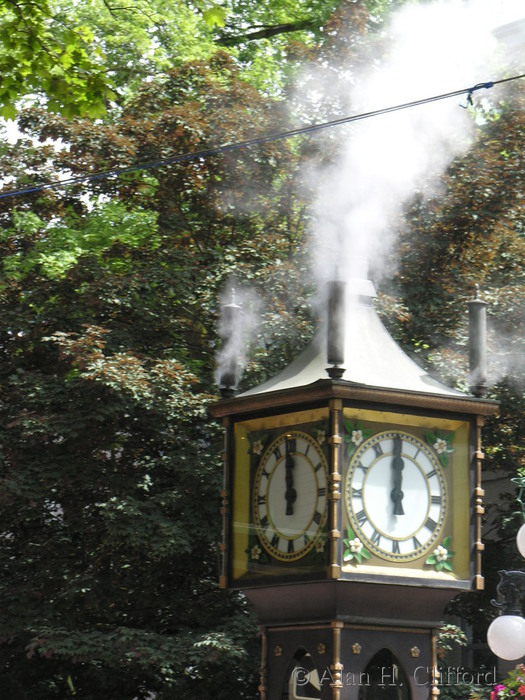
<point x="506" y="637"/>
<point x="520" y="540"/>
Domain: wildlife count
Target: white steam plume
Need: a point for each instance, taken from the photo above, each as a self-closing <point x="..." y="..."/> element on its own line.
<point x="238" y="324"/>
<point x="430" y="49"/>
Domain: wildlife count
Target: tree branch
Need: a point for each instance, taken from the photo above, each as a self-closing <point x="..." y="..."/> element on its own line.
<point x="267" y="31"/>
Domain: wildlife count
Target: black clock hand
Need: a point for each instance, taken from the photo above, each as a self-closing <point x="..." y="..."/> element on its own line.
<point x="290" y="494"/>
<point x="397" y="465"/>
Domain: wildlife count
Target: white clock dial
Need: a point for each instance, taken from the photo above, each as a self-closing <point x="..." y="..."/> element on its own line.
<point x="290" y="496"/>
<point x="395" y="495"/>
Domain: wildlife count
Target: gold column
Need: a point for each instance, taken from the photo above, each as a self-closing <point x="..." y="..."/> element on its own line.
<point x="335" y="440"/>
<point x="225" y="508"/>
<point x="337" y="667"/>
<point x="479" y="510"/>
<point x="434" y="682"/>
<point x="264" y="664"/>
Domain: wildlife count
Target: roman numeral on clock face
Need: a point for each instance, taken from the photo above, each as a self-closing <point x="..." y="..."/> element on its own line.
<point x="378" y="449"/>
<point x="431" y="524"/>
<point x="361" y="517"/>
<point x="376" y="537"/>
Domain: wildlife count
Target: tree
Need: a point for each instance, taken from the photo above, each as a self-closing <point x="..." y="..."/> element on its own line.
<point x="111" y="468"/>
<point x="42" y="52"/>
<point x="80" y="57"/>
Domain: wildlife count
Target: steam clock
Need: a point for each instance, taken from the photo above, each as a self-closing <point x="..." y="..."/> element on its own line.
<point x="352" y="510"/>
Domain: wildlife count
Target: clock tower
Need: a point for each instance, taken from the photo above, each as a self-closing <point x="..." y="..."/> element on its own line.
<point x="352" y="511"/>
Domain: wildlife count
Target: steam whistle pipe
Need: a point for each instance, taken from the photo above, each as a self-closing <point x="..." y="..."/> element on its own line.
<point x="230" y="343"/>
<point x="477" y="327"/>
<point x="335" y="340"/>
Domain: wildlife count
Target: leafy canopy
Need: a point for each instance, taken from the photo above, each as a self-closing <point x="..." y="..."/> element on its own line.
<point x="41" y="51"/>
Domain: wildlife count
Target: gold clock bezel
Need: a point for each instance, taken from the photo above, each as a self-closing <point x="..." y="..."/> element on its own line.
<point x="260" y="529"/>
<point x="354" y="520"/>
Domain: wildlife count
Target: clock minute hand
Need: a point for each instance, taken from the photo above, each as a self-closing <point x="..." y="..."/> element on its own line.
<point x="397" y="465"/>
<point x="290" y="494"/>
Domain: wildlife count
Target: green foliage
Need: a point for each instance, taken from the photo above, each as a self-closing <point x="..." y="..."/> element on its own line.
<point x="111" y="467"/>
<point x="81" y="56"/>
<point x="58" y="247"/>
<point x="109" y="521"/>
<point x="215" y="16"/>
<point x="448" y="637"/>
<point x="143" y="39"/>
<point x="41" y="52"/>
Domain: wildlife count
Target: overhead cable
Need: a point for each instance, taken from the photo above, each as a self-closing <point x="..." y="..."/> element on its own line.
<point x="238" y="145"/>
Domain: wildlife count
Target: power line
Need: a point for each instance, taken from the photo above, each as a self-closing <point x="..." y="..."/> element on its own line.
<point x="238" y="145"/>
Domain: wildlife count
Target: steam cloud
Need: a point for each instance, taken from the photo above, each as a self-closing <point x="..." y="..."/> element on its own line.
<point x="429" y="49"/>
<point x="238" y="322"/>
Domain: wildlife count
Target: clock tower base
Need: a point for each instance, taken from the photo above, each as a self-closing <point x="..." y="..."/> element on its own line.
<point x="343" y="661"/>
<point x="349" y="640"/>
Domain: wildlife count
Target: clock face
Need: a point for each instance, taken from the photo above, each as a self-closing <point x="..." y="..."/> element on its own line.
<point x="289" y="497"/>
<point x="395" y="496"/>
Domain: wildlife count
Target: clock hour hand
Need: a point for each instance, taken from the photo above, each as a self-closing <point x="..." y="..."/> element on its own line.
<point x="397" y="465"/>
<point x="290" y="494"/>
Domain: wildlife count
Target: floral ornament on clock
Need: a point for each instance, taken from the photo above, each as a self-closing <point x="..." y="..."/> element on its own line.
<point x="442" y="444"/>
<point x="255" y="552"/>
<point x="441" y="557"/>
<point x="355" y="549"/>
<point x="258" y="442"/>
<point x="354" y="436"/>
<point x="320" y="436"/>
<point x="320" y="545"/>
<point x="257" y="447"/>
